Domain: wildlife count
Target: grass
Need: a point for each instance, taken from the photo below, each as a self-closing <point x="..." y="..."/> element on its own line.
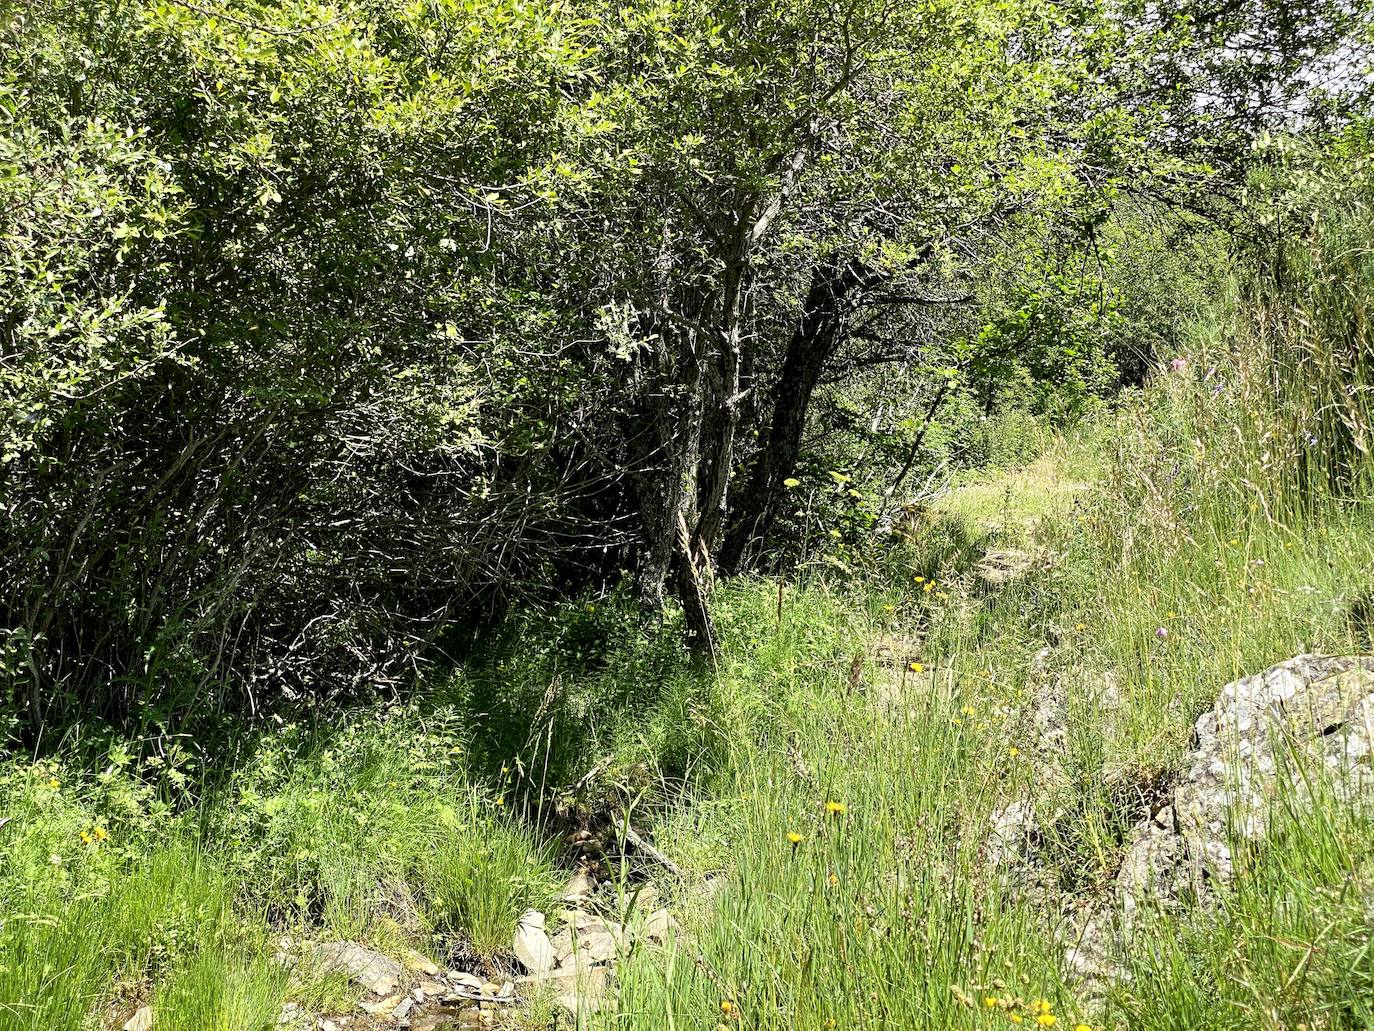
<point x="1013" y="502"/>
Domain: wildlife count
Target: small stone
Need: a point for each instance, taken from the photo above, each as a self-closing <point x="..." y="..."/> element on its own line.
<point x="660" y="925"/>
<point x="383" y="1008"/>
<point x="290" y="1012"/>
<point x="328" y="1025"/>
<point x="491" y="990"/>
<point x="142" y="1020"/>
<point x="465" y="980"/>
<point x="419" y="963"/>
<point x="403" y="1009"/>
<point x="578" y="888"/>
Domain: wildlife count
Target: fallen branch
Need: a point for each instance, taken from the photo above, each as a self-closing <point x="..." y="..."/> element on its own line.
<point x="627" y="834"/>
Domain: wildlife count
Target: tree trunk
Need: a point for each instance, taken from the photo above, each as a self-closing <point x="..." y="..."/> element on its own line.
<point x="818" y="334"/>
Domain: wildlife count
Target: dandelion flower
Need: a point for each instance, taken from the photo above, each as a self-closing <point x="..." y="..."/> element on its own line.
<point x="1013" y="751"/>
<point x="1081" y="1027"/>
<point x="1043" y="1006"/>
<point x="838" y="808"/>
<point x="727" y="1007"/>
<point x="794" y="837"/>
<point x="1046" y="1020"/>
<point x="54" y="783"/>
<point x="834" y="879"/>
<point x="100" y="834"/>
<point x="1015" y="1018"/>
<point x="989" y="1001"/>
<point x="500" y="801"/>
<point x="1080" y="627"/>
<point x="916" y="667"/>
<point x="929" y="586"/>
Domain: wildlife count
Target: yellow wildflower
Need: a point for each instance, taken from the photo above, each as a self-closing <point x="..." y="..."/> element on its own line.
<point x="889" y="608"/>
<point x="794" y="837"/>
<point x="838" y="808"/>
<point x="1015" y="1018"/>
<point x="834" y="879"/>
<point x="54" y="783"/>
<point x="1042" y="1006"/>
<point x="500" y="801"/>
<point x="1080" y="627"/>
<point x="1013" y="751"/>
<point x="916" y="667"/>
<point x="929" y="586"/>
<point x="727" y="1007"/>
<point x="920" y="579"/>
<point x="989" y="1001"/>
<point x="1046" y="1020"/>
<point x="100" y="834"/>
<point x="1081" y="1027"/>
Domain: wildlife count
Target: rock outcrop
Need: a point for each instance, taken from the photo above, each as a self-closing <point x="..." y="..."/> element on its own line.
<point x="1309" y="717"/>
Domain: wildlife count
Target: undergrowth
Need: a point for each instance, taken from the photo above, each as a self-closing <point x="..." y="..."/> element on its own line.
<point x="839" y="805"/>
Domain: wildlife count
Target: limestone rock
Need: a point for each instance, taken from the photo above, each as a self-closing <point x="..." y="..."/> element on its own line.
<point x="384" y="1007"/>
<point x="466" y="981"/>
<point x="1311" y="712"/>
<point x="1015" y="830"/>
<point x="531" y="945"/>
<point x="580" y="987"/>
<point x="579" y="887"/>
<point x="377" y="973"/>
<point x="419" y="963"/>
<point x="660" y="926"/>
<point x="596" y="938"/>
<point x="142" y="1020"/>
